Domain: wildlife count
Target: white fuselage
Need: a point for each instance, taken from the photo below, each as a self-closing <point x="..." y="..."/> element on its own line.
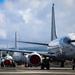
<point x="62" y="49"/>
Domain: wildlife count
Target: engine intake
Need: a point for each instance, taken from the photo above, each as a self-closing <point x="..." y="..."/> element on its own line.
<point x="34" y="60"/>
<point x="7" y="62"/>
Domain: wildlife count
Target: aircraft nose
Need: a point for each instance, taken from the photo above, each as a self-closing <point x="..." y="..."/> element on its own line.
<point x="66" y="40"/>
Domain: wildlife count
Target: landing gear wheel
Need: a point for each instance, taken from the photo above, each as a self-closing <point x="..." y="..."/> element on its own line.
<point x="13" y="64"/>
<point x="47" y="64"/>
<point x="2" y="64"/>
<point x="73" y="67"/>
<point x="42" y="66"/>
<point x="62" y="64"/>
<point x="73" y="64"/>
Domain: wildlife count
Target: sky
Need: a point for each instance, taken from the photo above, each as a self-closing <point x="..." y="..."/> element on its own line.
<point x="32" y="20"/>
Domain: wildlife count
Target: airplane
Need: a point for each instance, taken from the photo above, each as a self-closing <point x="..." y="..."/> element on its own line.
<point x="59" y="49"/>
<point x="19" y="57"/>
<point x="16" y="58"/>
<point x="7" y="61"/>
<point x="12" y="61"/>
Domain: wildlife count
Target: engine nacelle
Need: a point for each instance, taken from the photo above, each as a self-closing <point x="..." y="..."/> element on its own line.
<point x="7" y="62"/>
<point x="34" y="59"/>
<point x="19" y="58"/>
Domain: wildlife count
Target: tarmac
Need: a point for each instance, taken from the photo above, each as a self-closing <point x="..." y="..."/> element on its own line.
<point x="36" y="71"/>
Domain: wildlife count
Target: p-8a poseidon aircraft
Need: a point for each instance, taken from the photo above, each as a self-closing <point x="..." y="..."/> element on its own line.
<point x="58" y="49"/>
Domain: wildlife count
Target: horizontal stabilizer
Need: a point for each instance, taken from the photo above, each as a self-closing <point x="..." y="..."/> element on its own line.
<point x="34" y="43"/>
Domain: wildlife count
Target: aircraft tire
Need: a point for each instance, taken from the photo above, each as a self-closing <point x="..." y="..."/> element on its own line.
<point x="2" y="64"/>
<point x="47" y="64"/>
<point x="73" y="67"/>
<point x="62" y="64"/>
<point x="73" y="64"/>
<point x="42" y="66"/>
<point x="13" y="64"/>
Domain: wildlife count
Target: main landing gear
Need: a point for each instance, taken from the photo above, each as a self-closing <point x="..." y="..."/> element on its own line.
<point x="13" y="64"/>
<point x="62" y="63"/>
<point x="73" y="66"/>
<point x="2" y="64"/>
<point x="45" y="63"/>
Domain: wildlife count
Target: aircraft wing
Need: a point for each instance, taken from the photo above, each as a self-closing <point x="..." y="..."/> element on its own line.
<point x="28" y="52"/>
<point x="14" y="50"/>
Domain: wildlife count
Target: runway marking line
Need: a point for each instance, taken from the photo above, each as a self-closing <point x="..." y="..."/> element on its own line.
<point x="30" y="72"/>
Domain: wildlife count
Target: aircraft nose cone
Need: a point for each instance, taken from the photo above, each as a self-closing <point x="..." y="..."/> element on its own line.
<point x="66" y="40"/>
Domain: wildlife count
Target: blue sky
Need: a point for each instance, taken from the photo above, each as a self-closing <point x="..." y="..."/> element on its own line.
<point x="32" y="20"/>
<point x="1" y="1"/>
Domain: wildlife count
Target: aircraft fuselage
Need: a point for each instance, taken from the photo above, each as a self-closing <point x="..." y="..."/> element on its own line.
<point x="62" y="48"/>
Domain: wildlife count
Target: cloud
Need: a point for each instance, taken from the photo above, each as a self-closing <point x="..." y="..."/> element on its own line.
<point x="26" y="14"/>
<point x="37" y="4"/>
<point x="9" y="5"/>
<point x="69" y="3"/>
<point x="3" y="34"/>
<point x="37" y="21"/>
<point x="63" y="15"/>
<point x="2" y="17"/>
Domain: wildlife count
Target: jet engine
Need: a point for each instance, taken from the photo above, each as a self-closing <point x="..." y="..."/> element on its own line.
<point x="19" y="58"/>
<point x="34" y="59"/>
<point x="7" y="62"/>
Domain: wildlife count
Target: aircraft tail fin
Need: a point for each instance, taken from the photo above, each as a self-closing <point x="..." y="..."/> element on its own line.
<point x="53" y="31"/>
<point x="16" y="45"/>
<point x="53" y="28"/>
<point x="1" y="55"/>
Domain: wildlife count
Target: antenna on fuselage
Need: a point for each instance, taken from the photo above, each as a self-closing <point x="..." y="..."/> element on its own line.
<point x="53" y="28"/>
